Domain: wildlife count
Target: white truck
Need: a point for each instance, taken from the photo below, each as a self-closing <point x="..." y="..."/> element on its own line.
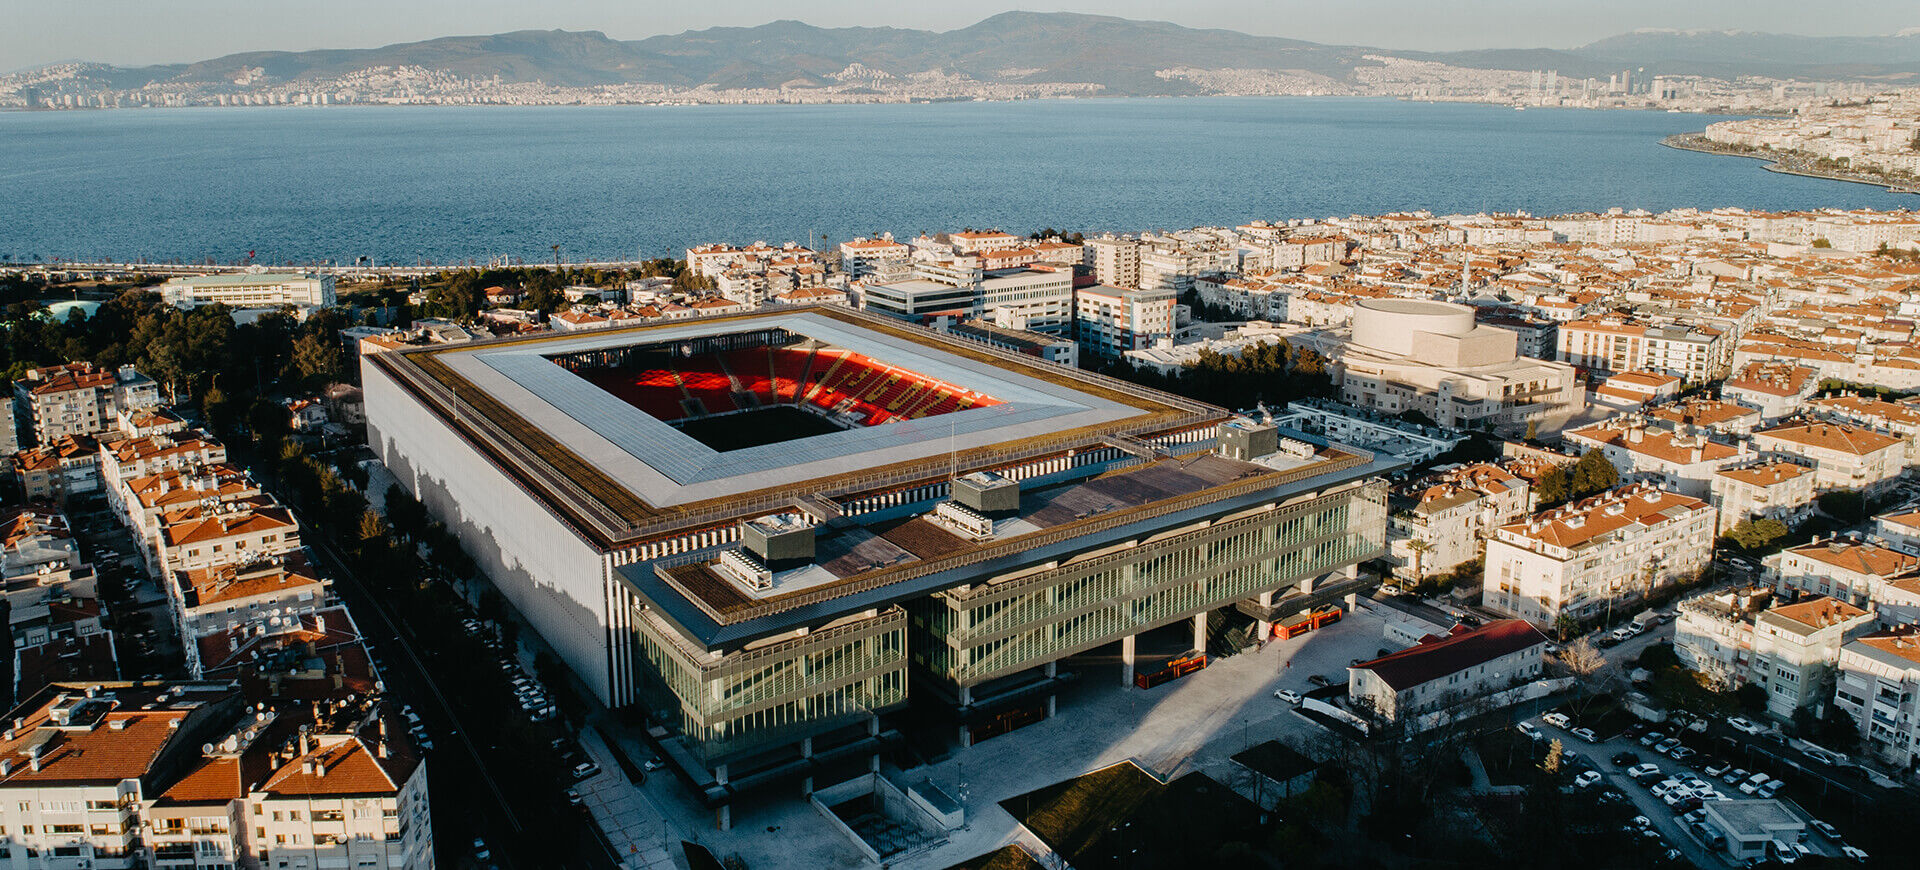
<point x="1645" y="620"/>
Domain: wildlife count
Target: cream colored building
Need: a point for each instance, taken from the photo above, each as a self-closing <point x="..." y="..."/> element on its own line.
<point x="1848" y="569"/>
<point x="1448" y="672"/>
<point x="1844" y="456"/>
<point x="1771" y="490"/>
<point x="1683" y="460"/>
<point x="1416" y="355"/>
<point x="1605" y="552"/>
<point x="1441" y="522"/>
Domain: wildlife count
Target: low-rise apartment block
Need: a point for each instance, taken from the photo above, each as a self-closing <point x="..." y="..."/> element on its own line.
<point x="1776" y="389"/>
<point x="1109" y="321"/>
<point x="1879" y="686"/>
<point x="1787" y="649"/>
<point x="1439" y="523"/>
<point x="1844" y="456"/>
<point x="1770" y="490"/>
<point x="1683" y="460"/>
<point x="1849" y="569"/>
<point x="1605" y="552"/>
<point x="78" y="399"/>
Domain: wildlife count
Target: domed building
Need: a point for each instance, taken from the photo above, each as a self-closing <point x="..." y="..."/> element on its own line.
<point x="1433" y="357"/>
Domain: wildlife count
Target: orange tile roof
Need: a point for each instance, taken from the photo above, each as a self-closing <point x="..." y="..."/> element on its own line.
<point x="1580" y="523"/>
<point x="1766" y="473"/>
<point x="1818" y="613"/>
<point x="1859" y="557"/>
<point x="1838" y="437"/>
<point x="205" y="586"/>
<point x="342" y="767"/>
<point x="219" y="526"/>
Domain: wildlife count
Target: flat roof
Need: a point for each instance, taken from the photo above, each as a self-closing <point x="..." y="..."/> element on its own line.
<point x="620" y="475"/>
<point x="901" y="558"/>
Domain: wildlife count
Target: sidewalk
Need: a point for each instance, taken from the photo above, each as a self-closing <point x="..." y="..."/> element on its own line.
<point x="636" y="830"/>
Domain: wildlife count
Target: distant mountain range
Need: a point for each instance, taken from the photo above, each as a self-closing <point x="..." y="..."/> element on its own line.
<point x="1118" y="55"/>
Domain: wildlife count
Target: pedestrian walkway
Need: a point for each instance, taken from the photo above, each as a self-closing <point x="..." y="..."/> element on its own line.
<point x="631" y="824"/>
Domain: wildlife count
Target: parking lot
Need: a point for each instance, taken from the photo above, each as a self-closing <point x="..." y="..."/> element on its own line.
<point x="1669" y="798"/>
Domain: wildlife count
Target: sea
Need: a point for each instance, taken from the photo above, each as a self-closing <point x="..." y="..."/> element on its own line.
<point x="409" y="185"/>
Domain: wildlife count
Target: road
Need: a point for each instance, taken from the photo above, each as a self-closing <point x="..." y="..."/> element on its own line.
<point x="408" y="669"/>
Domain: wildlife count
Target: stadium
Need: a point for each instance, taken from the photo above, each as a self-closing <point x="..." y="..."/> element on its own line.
<point x="773" y="532"/>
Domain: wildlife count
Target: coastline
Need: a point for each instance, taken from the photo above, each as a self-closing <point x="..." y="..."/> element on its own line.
<point x="1775" y="163"/>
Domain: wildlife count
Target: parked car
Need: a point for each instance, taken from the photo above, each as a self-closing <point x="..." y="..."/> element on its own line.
<point x="1587" y="779"/>
<point x="585" y="769"/>
<point x="1320" y="681"/>
<point x="1651" y="737"/>
<point x="1667" y="745"/>
<point x="653" y="764"/>
<point x="1625" y="759"/>
<point x="1853" y="853"/>
<point x="1825" y="829"/>
<point x="1556" y="719"/>
<point x="1735" y="775"/>
<point x="1640" y="772"/>
<point x="1680" y="753"/>
<point x="1292" y="697"/>
<point x="480" y="852"/>
<point x="1772" y="788"/>
<point x="1743" y="725"/>
<point x="1715" y="767"/>
<point x="1585" y="734"/>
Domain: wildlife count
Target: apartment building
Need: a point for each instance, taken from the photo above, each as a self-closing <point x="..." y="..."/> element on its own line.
<point x="1052" y="348"/>
<point x="1899" y="419"/>
<point x="232" y="533"/>
<point x="1712" y="415"/>
<point x="1844" y="456"/>
<point x="1681" y="460"/>
<point x="40" y="562"/>
<point x="63" y="470"/>
<point x="982" y="241"/>
<point x="1605" y="552"/>
<point x="250" y="290"/>
<point x="1795" y="647"/>
<point x="1109" y="321"/>
<point x="1879" y="686"/>
<point x="1452" y="672"/>
<point x="78" y="399"/>
<point x="1848" y="569"/>
<point x="266" y="592"/>
<point x="1768" y="490"/>
<point x="1776" y="389"/>
<point x="1115" y="261"/>
<point x="881" y="259"/>
<point x="1695" y="354"/>
<point x="1713" y="632"/>
<point x="79" y="761"/>
<point x="1439" y="523"/>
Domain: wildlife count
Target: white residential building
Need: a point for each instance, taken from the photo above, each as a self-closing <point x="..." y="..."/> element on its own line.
<point x="1879" y="686"/>
<point x="1850" y="570"/>
<point x="1448" y="672"/>
<point x="1440" y="522"/>
<point x="1770" y="490"/>
<point x="1844" y="456"/>
<point x="1605" y="552"/>
<point x="1109" y="321"/>
<point x="1683" y="461"/>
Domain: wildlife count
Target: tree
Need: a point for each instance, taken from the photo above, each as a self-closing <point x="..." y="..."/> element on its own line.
<point x="1550" y="765"/>
<point x="1555" y="486"/>
<point x="1565" y="626"/>
<point x="1592" y="474"/>
<point x="1754" y="536"/>
<point x="1844" y="505"/>
<point x="1822" y="243"/>
<point x="1419" y="548"/>
<point x="1752" y="698"/>
<point x="404" y="512"/>
<point x="316" y="361"/>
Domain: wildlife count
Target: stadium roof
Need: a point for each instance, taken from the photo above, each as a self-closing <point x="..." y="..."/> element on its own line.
<point x="619" y="475"/>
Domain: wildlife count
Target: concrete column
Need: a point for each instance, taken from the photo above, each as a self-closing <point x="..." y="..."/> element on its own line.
<point x="1053" y="670"/>
<point x="1200" y="631"/>
<point x="723" y="818"/>
<point x="1353" y="601"/>
<point x="966" y="696"/>
<point x="1126" y="660"/>
<point x="1262" y="626"/>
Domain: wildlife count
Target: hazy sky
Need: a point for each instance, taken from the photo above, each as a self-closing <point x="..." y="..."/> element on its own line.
<point x="161" y="31"/>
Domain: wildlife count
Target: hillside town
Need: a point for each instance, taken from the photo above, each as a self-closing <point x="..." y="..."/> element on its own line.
<point x="1876" y="139"/>
<point x="75" y="85"/>
<point x="1649" y="478"/>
